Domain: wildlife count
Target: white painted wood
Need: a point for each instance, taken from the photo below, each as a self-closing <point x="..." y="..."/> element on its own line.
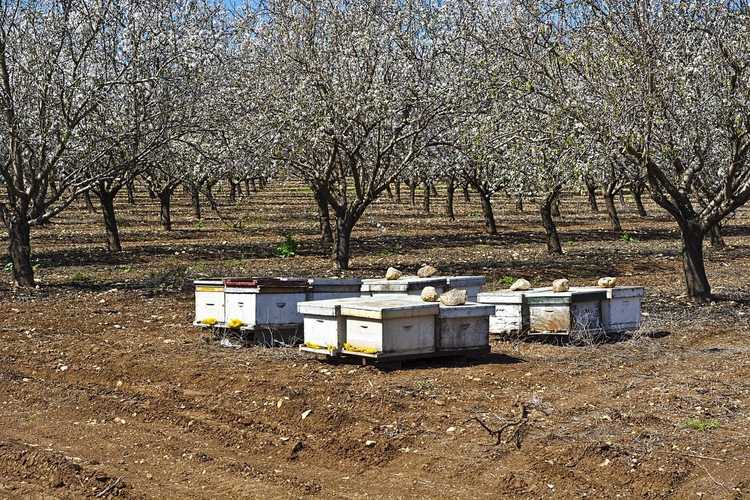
<point x="400" y="335"/>
<point x="463" y="327"/>
<point x="621" y="311"/>
<point x="565" y="312"/>
<point x="209" y="300"/>
<point x="472" y="285"/>
<point x="263" y="309"/>
<point x="329" y="288"/>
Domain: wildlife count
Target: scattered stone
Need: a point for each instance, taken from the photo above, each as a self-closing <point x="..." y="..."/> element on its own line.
<point x="427" y="271"/>
<point x="63" y="368"/>
<point x="393" y="274"/>
<point x="520" y="284"/>
<point x="561" y="285"/>
<point x="450" y="429"/>
<point x="306" y="413"/>
<point x="453" y="298"/>
<point x="429" y="294"/>
<point x="370" y="443"/>
<point x="607" y="282"/>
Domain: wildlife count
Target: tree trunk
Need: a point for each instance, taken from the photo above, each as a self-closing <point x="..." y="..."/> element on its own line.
<point x="614" y="219"/>
<point x="450" y="190"/>
<point x="693" y="266"/>
<point x="426" y="197"/>
<point x="253" y="186"/>
<point x="324" y="218"/>
<point x="210" y="196"/>
<point x="489" y="216"/>
<point x="389" y="191"/>
<point x="247" y="187"/>
<point x="195" y="201"/>
<point x="19" y="249"/>
<point x="342" y="250"/>
<point x="555" y="207"/>
<point x="165" y="213"/>
<point x="232" y="192"/>
<point x="465" y="189"/>
<point x="398" y="191"/>
<point x="433" y="189"/>
<point x="638" y="197"/>
<point x="553" y="238"/>
<point x="717" y="240"/>
<point x="591" y="190"/>
<point x="622" y="198"/>
<point x="107" y="201"/>
<point x="412" y="193"/>
<point x="151" y="194"/>
<point x="89" y="204"/>
<point x="519" y="202"/>
<point x="131" y="193"/>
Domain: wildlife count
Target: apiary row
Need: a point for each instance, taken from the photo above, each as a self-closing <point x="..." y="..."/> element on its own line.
<point x="249" y="303"/>
<point x="393" y="326"/>
<point x="542" y="311"/>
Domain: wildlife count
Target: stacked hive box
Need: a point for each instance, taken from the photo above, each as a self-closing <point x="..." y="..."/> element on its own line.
<point x="264" y="302"/>
<point x="331" y="288"/>
<point x="565" y="312"/>
<point x="511" y="311"/>
<point x="209" y="302"/>
<point x="621" y="310"/>
<point x="324" y="326"/>
<point x="464" y="327"/>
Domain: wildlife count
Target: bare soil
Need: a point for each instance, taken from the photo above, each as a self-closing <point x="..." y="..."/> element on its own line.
<point x="107" y="391"/>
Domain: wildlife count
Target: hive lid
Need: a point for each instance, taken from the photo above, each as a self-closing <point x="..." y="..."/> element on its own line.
<point x="272" y="282"/>
<point x="209" y="282"/>
<point x="459" y="281"/>
<point x="335" y="281"/>
<point x="405" y="283"/>
<point x="618" y="292"/>
<point x="389" y="308"/>
<point x="328" y="307"/>
<point x="564" y="298"/>
<point x="468" y="310"/>
<point x="507" y="296"/>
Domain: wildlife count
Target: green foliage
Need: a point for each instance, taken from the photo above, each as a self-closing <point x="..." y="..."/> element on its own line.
<point x="288" y="248"/>
<point x="8" y="268"/>
<point x="702" y="425"/>
<point x="507" y="280"/>
<point x="394" y="249"/>
<point x="81" y="277"/>
<point x="627" y="237"/>
<point x="199" y="224"/>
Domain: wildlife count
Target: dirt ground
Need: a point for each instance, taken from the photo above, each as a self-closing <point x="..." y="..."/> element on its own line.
<point x="106" y="390"/>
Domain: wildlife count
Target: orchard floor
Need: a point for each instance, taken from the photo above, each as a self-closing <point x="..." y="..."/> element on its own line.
<point x="106" y="390"/>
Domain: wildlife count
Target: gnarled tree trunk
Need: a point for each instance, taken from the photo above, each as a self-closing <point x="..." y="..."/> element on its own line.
<point x="450" y="191"/>
<point x="165" y="211"/>
<point x="693" y="265"/>
<point x="489" y="216"/>
<point x="112" y="232"/>
<point x="19" y="248"/>
<point x="554" y="247"/>
<point x="614" y="218"/>
<point x="324" y="217"/>
<point x="426" y="197"/>
<point x="591" y="191"/>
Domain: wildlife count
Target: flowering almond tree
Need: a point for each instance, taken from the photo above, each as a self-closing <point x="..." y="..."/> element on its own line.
<point x="353" y="90"/>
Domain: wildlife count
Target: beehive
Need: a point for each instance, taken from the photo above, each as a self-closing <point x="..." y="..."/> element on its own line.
<point x="209" y="302"/>
<point x="565" y="312"/>
<point x="264" y="302"/>
<point x="472" y="285"/>
<point x="394" y="325"/>
<point x="511" y="313"/>
<point x="464" y="327"/>
<point x="331" y="288"/>
<point x="621" y="311"/>
<point x="409" y="285"/>
<point x="324" y="326"/>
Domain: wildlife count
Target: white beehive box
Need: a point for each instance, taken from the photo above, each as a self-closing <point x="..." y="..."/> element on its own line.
<point x="209" y="302"/>
<point x="268" y="302"/>
<point x="409" y="285"/>
<point x="511" y="313"/>
<point x="324" y="327"/>
<point x="472" y="285"/>
<point x="331" y="288"/>
<point x="390" y="325"/>
<point x="464" y="327"/>
<point x="565" y="312"/>
<point x="621" y="311"/>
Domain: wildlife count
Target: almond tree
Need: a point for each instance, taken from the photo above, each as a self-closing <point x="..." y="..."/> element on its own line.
<point x="353" y="91"/>
<point x="50" y="85"/>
